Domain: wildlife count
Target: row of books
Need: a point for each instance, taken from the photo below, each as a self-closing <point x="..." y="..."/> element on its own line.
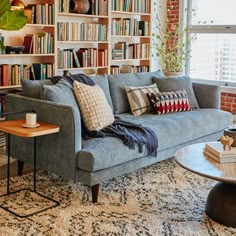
<point x="96" y="7"/>
<point x="40" y="13"/>
<point x="115" y="69"/>
<point x="124" y="50"/>
<point x="216" y="151"/>
<point x="129" y="27"/>
<point x="140" y="6"/>
<point x="83" y="57"/>
<point x="13" y="74"/>
<point x="72" y="31"/>
<point x="39" y="43"/>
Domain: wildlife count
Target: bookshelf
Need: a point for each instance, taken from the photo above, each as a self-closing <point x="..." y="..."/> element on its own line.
<point x="130" y="36"/>
<point x="83" y="39"/>
<point x="37" y="37"/>
<point x="58" y="41"/>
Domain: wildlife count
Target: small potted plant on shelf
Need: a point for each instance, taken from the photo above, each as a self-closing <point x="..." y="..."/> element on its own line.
<point x="171" y="46"/>
<point x="11" y="19"/>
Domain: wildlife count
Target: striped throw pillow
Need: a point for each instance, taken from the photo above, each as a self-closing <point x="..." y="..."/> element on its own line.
<point x="169" y="102"/>
<point x="138" y="100"/>
<point x="93" y="105"/>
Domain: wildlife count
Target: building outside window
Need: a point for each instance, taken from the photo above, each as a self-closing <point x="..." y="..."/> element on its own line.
<point x="213" y="52"/>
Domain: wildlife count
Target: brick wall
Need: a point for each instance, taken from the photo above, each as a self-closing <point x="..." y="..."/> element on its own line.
<point x="173" y="19"/>
<point x="228" y="102"/>
<point x="173" y="11"/>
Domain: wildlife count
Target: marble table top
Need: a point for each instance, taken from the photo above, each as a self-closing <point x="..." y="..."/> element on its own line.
<point x="193" y="159"/>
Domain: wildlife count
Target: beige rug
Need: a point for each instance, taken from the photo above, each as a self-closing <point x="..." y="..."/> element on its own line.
<point x="163" y="199"/>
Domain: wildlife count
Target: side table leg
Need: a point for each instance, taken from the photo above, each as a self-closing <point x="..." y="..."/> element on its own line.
<point x="8" y="163"/>
<point x="34" y="164"/>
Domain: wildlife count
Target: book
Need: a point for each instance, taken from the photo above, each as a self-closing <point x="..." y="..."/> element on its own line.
<point x="76" y="63"/>
<point x="220" y="159"/>
<point x="5" y="74"/>
<point x="28" y="43"/>
<point x="218" y="150"/>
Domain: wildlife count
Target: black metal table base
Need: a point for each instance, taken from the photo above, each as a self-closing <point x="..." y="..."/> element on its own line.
<point x="34" y="187"/>
<point x="56" y="203"/>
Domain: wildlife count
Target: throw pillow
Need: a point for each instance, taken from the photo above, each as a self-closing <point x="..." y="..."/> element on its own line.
<point x="93" y="105"/>
<point x="177" y="83"/>
<point x="168" y="102"/>
<point x="138" y="100"/>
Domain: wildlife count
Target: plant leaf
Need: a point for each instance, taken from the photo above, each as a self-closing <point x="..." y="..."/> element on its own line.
<point x="13" y="20"/>
<point x="4" y="6"/>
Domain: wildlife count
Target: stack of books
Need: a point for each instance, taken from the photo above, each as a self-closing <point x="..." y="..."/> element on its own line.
<point x="216" y="151"/>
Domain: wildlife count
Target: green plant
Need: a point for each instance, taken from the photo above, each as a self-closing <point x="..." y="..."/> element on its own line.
<point x="171" y="45"/>
<point x="11" y="19"/>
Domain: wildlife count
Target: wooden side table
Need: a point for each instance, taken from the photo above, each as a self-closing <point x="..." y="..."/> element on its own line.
<point x="15" y="127"/>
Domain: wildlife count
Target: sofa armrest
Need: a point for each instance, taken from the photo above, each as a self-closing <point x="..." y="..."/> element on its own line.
<point x="55" y="152"/>
<point x="208" y="95"/>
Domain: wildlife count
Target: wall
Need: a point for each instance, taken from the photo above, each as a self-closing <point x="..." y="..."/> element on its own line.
<point x="228" y="102"/>
<point x="159" y="12"/>
<point x="173" y="11"/>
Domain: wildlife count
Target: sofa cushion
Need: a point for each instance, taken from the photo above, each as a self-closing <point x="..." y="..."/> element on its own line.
<point x="62" y="92"/>
<point x="117" y="87"/>
<point x="172" y="129"/>
<point x="168" y="102"/>
<point x="102" y="81"/>
<point x="138" y="100"/>
<point x="177" y="83"/>
<point x="32" y="88"/>
<point x="93" y="105"/>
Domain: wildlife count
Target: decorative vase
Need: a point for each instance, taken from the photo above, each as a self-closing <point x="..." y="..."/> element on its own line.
<point x="79" y="6"/>
<point x="171" y="74"/>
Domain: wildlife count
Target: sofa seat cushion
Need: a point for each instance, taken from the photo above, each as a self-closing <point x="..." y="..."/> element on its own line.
<point x="171" y="130"/>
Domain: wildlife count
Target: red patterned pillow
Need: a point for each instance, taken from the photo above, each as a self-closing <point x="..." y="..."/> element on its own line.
<point x="168" y="102"/>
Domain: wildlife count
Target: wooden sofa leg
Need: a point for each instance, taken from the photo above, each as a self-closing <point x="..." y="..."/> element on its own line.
<point x="95" y="190"/>
<point x="20" y="167"/>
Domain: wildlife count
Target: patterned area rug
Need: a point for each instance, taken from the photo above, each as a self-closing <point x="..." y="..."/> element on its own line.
<point x="162" y="199"/>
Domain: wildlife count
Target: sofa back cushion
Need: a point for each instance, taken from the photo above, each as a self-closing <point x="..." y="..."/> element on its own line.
<point x="62" y="92"/>
<point x="32" y="88"/>
<point x="102" y="81"/>
<point x="177" y="83"/>
<point x="117" y="85"/>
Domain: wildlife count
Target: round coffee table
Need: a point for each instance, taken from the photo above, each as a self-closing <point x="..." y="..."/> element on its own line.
<point x="221" y="201"/>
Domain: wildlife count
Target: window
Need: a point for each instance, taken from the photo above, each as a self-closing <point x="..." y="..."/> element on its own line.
<point x="213" y="51"/>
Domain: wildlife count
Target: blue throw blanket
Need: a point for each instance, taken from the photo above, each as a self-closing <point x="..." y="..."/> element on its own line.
<point x="131" y="134"/>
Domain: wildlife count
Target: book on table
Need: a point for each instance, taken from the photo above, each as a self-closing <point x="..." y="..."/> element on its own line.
<point x="216" y="151"/>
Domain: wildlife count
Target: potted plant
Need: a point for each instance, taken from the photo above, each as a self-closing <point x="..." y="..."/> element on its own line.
<point x="11" y="19"/>
<point x="171" y="47"/>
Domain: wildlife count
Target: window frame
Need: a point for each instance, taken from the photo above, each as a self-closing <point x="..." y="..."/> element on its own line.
<point x="185" y="11"/>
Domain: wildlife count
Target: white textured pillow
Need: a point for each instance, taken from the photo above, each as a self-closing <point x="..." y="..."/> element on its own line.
<point x="93" y="105"/>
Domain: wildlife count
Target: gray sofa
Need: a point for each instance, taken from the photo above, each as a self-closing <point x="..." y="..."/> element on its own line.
<point x="96" y="160"/>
